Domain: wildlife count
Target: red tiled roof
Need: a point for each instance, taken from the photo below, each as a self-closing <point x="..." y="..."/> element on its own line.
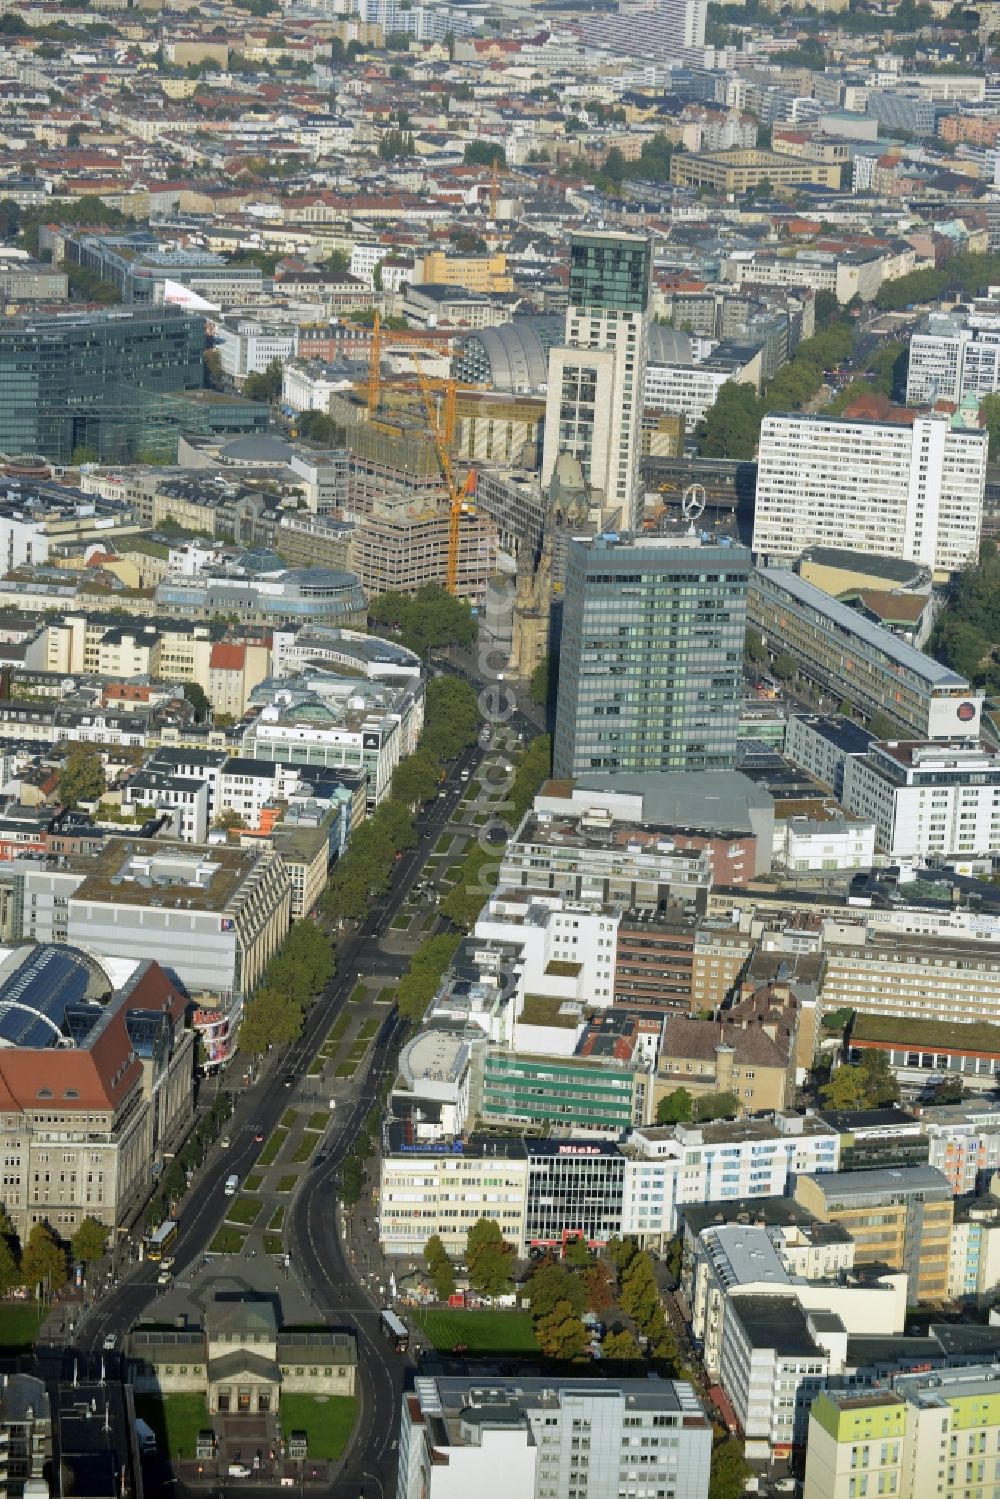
<point x="226" y="657"/>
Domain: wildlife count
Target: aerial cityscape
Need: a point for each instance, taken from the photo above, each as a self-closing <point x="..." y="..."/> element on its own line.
<point x="500" y="749"/>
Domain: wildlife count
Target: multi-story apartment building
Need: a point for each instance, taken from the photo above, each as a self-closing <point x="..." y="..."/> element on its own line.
<point x="899" y="1218"/>
<point x="549" y="1437"/>
<point x="319" y="594"/>
<point x="564" y="1092"/>
<point x="543" y="1191"/>
<point x="444" y="1189"/>
<point x="338" y="723"/>
<point x="90" y="1093"/>
<point x="974" y="1264"/>
<point x="742" y="169"/>
<point x="592" y="856"/>
<point x="911" y="489"/>
<point x="651" y="651"/>
<point x="952" y="360"/>
<point x="654" y="958"/>
<point x="692" y="388"/>
<point x="721" y="951"/>
<point x="671" y="1168"/>
<point x="823" y="745"/>
<point x="927" y="799"/>
<point x="913" y="976"/>
<point x="595" y="380"/>
<point x="926" y="1434"/>
<point x="847" y="656"/>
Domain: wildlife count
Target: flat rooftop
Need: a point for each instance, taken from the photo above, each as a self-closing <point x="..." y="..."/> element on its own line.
<point x="126" y="872"/>
<point x="849" y="622"/>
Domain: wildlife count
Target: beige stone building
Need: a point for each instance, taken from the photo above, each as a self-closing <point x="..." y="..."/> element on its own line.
<point x="901" y="1218"/>
<point x="732" y="173"/>
<point x="241" y="1358"/>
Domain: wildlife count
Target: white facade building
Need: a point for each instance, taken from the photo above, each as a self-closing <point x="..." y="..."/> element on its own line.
<point x="954" y="358"/>
<point x="247" y="346"/>
<point x="595" y="381"/>
<point x="898" y="490"/>
<point x="306" y="387"/>
<point x="667" y="1168"/>
<point x="927" y="798"/>
<point x="832" y="841"/>
<point x="547" y="1438"/>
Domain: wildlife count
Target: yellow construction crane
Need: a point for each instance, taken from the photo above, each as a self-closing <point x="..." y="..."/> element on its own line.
<point x="380" y="338"/>
<point x="458" y="498"/>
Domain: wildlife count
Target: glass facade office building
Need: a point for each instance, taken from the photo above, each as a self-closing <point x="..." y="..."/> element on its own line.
<point x="97" y="381"/>
<point x="609" y="272"/>
<point x="650" y="671"/>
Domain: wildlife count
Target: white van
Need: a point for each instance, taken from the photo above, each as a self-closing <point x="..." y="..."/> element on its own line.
<point x="232" y="1185"/>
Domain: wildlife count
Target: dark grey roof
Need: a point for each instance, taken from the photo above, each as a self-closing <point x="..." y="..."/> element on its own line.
<point x="668" y="345"/>
<point x="243" y="1361"/>
<point x="767" y="1325"/>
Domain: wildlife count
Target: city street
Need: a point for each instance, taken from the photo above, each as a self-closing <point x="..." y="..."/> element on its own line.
<point x="313" y="1232"/>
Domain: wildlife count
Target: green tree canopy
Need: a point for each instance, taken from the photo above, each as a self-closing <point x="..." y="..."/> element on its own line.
<point x="731" y="426"/>
<point x="675" y="1107"/>
<point x="198" y="698"/>
<point x="729" y="1470"/>
<point x="484" y="154"/>
<point x="419" y="984"/>
<point x="489" y="1258"/>
<point x="270" y="1019"/>
<point x="432" y="617"/>
<point x="415" y="779"/>
<point x="43" y="1263"/>
<point x="89" y="1241"/>
<point x="439" y="1267"/>
<point x="561" y="1334"/>
<point x="871" y="1084"/>
<point x="265" y="386"/>
<point x="621" y="1346"/>
<point x="551" y="1283"/>
<point x="81" y="778"/>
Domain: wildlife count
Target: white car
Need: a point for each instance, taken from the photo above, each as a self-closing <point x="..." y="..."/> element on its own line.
<point x="164" y="1278"/>
<point x="110" y="1342"/>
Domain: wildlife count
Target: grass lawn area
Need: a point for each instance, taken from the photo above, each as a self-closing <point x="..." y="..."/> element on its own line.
<point x="253" y="1181"/>
<point x="368" y="1029"/>
<point x="338" y="1028"/>
<point x="383" y="997"/>
<point x="245" y="1211"/>
<point x="358" y="1050"/>
<point x="270" y="1152"/>
<point x="318" y="1121"/>
<point x="327" y="1422"/>
<point x="346" y="1069"/>
<point x="273" y="1244"/>
<point x="19" y="1324"/>
<point x="176" y="1420"/>
<point x="288" y="1118"/>
<point x="277" y="1217"/>
<point x="400" y="923"/>
<point x="444" y="843"/>
<point x="317" y="1064"/>
<point x="287" y="1183"/>
<point x="483" y="1331"/>
<point x="228" y="1240"/>
<point x="357" y="994"/>
<point x="304" y="1149"/>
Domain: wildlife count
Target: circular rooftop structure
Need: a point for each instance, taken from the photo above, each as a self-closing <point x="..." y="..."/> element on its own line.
<point x="511" y="357"/>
